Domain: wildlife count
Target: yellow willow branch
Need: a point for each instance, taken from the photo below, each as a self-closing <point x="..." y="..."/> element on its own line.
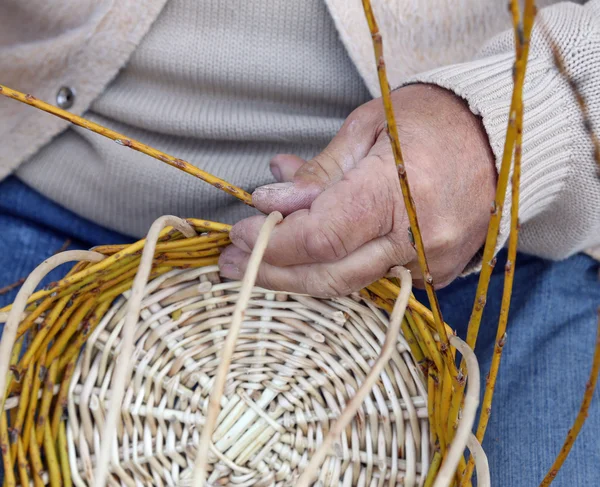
<point x="489" y="261"/>
<point x="131" y="250"/>
<point x="581" y="416"/>
<point x="408" y="200"/>
<point x="9" y="475"/>
<point x="508" y="284"/>
<point x="512" y="244"/>
<point x="494" y="225"/>
<point x="10" y="287"/>
<point x="128" y="142"/>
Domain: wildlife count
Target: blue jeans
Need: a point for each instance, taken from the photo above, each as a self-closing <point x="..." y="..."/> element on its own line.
<point x="32" y="228"/>
<point x="546" y="361"/>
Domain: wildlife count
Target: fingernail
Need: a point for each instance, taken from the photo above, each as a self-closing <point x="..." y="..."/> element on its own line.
<point x="288" y="191"/>
<point x="230" y="271"/>
<point x="229" y="263"/>
<point x="229" y="255"/>
<point x="285" y="197"/>
<point x="276" y="172"/>
<point x="275" y="187"/>
<point x="236" y="237"/>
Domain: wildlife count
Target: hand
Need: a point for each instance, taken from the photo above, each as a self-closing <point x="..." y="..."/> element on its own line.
<point x="346" y="224"/>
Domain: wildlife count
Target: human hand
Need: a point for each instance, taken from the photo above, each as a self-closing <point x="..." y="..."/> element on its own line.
<point x="346" y="224"/>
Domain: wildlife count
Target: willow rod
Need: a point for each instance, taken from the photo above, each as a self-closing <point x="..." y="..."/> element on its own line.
<point x="406" y="192"/>
<point x="590" y="387"/>
<point x="129" y="142"/>
<point x="509" y="272"/>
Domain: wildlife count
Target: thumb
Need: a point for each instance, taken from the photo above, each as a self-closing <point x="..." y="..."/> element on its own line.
<point x="284" y="167"/>
<point x="351" y="144"/>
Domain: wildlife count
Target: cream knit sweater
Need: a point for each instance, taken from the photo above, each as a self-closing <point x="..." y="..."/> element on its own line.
<point x="45" y="45"/>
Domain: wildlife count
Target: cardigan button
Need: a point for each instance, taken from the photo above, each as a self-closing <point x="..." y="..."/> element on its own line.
<point x="65" y="97"/>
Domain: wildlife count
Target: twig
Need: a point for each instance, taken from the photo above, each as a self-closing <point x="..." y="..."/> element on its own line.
<point x="496" y="211"/>
<point x="520" y="40"/>
<point x="64" y="246"/>
<point x="446" y="475"/>
<point x="581" y="416"/>
<point x="496" y="216"/>
<point x="128" y="142"/>
<point x="406" y="193"/>
<point x="9" y="480"/>
<point x="10" y="287"/>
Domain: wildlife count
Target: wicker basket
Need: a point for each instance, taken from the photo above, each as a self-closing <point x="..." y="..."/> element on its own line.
<point x="300" y="370"/>
<point x="142" y="368"/>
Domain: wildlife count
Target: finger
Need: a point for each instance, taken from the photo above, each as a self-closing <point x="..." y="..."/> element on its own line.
<point x="443" y="275"/>
<point x="284" y="166"/>
<point x="360" y="208"/>
<point x="354" y="272"/>
<point x="233" y="262"/>
<point x="417" y="275"/>
<point x="350" y="145"/>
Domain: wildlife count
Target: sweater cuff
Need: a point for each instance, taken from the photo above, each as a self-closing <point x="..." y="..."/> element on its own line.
<point x="487" y="84"/>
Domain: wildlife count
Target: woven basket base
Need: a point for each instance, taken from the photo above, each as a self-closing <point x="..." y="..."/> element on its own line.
<point x="297" y="362"/>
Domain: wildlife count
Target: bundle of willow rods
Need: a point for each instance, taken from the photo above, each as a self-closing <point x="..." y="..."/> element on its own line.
<point x="46" y="331"/>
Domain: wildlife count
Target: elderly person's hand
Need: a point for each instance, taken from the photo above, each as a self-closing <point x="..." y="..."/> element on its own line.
<point x="346" y="223"/>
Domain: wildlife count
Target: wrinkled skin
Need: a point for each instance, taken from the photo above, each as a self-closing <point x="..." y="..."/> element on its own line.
<point x="345" y="222"/>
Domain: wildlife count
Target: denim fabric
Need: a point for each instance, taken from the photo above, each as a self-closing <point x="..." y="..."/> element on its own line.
<point x="32" y="228"/>
<point x="545" y="366"/>
<point x="546" y="359"/>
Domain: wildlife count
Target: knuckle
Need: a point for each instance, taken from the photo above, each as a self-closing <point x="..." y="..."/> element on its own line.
<point x="398" y="250"/>
<point x="327" y="284"/>
<point x="265" y="280"/>
<point x="321" y="169"/>
<point x="443" y="239"/>
<point x="325" y="244"/>
<point x="337" y="284"/>
<point x="328" y="164"/>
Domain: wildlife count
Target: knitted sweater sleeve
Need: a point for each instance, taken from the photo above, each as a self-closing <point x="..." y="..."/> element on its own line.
<point x="560" y="184"/>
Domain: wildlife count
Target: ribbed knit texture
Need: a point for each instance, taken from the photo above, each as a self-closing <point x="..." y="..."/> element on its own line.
<point x="560" y="184"/>
<point x="222" y="86"/>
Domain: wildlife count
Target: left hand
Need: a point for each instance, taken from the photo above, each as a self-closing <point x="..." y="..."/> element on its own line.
<point x="346" y="224"/>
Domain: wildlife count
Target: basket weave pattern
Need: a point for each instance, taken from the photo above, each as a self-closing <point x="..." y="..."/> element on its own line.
<point x="312" y="388"/>
<point x="297" y="362"/>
